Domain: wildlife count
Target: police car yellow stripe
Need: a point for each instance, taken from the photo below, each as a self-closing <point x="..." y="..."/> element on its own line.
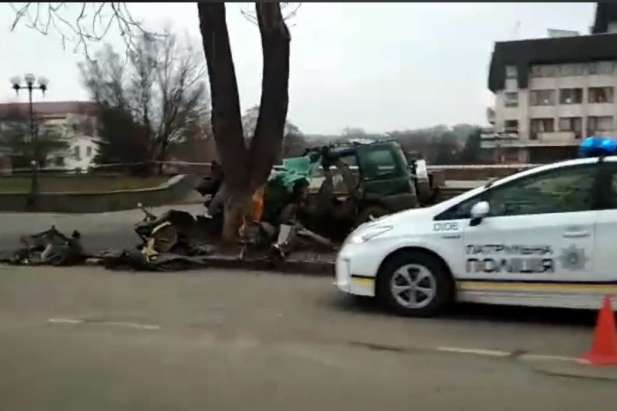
<point x="363" y="281"/>
<point x="574" y="288"/>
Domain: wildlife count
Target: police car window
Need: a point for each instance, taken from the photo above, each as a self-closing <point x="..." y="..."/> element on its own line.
<point x="462" y="209"/>
<point x="555" y="191"/>
<point x="610" y="196"/>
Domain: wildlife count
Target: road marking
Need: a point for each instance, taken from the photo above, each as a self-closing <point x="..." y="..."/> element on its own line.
<point x="459" y="350"/>
<point x="476" y="351"/>
<point x="542" y="357"/>
<point x="64" y="321"/>
<point x="132" y="325"/>
<point x="118" y="323"/>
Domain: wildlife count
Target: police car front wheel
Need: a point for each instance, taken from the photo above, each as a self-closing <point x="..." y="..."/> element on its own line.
<point x="415" y="284"/>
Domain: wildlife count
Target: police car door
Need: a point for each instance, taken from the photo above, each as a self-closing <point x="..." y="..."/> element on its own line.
<point x="540" y="227"/>
<point x="605" y="246"/>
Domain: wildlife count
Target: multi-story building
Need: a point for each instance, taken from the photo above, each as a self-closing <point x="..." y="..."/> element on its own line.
<point x="74" y="121"/>
<point x="552" y="92"/>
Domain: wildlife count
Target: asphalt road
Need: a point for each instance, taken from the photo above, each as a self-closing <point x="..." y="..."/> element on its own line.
<point x="99" y="231"/>
<point x="90" y="339"/>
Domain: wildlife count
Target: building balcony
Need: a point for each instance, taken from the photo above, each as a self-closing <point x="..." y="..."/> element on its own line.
<point x="492" y="139"/>
<point x="544" y="139"/>
<point x="556" y="138"/>
<point x="499" y="135"/>
<point x="490" y="115"/>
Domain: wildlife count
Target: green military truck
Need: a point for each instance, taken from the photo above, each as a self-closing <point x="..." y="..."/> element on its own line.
<point x="352" y="183"/>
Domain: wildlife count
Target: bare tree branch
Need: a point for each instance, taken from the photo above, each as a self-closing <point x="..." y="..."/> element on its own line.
<point x="90" y="24"/>
<point x="160" y="87"/>
<point x="288" y="10"/>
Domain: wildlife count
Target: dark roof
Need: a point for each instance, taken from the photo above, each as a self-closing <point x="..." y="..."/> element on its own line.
<point x="605" y="12"/>
<point x="51" y="108"/>
<point x="523" y="53"/>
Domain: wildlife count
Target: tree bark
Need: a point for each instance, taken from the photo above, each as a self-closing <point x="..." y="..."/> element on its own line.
<point x="267" y="141"/>
<point x="226" y="116"/>
<point x="245" y="169"/>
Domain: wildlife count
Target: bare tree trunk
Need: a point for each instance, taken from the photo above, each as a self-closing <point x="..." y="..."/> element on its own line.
<point x="226" y="116"/>
<point x="245" y="169"/>
<point x="266" y="144"/>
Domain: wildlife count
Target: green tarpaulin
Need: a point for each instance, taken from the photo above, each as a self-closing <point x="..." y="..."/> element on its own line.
<point x="280" y="185"/>
<point x="296" y="168"/>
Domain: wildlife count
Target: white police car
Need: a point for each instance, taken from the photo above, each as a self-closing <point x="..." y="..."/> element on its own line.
<point x="543" y="237"/>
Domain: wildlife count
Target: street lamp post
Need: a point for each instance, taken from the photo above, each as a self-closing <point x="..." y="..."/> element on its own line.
<point x="30" y="85"/>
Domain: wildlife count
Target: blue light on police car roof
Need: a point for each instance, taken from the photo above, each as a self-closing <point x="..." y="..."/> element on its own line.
<point x="596" y="146"/>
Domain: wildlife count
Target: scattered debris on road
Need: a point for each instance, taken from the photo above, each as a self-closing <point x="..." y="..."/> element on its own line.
<point x="49" y="247"/>
<point x="173" y="241"/>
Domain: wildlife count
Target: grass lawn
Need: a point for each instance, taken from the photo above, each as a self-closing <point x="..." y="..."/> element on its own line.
<point x="78" y="183"/>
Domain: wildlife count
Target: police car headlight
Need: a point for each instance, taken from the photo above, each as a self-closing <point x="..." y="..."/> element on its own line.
<point x="369" y="234"/>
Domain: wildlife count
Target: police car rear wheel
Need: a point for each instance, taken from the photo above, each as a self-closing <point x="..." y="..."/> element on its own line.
<point x="415" y="284"/>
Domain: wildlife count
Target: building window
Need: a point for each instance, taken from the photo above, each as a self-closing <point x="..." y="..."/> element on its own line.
<point x="600" y="94"/>
<point x="545" y="70"/>
<point x="511" y="126"/>
<point x="601" y="123"/>
<point x="601" y="67"/>
<point x="573" y="69"/>
<point x="89" y="151"/>
<point x="542" y="97"/>
<point x="573" y="124"/>
<point x="571" y="96"/>
<point x="511" y="72"/>
<point x="60" y="161"/>
<point x="511" y="99"/>
<point x="541" y="125"/>
<point x="76" y="153"/>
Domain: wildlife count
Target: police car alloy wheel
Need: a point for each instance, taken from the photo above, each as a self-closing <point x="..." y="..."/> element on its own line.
<point x="415" y="284"/>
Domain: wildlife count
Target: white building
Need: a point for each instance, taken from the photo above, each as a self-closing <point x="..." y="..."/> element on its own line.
<point x="550" y="93"/>
<point x="75" y="121"/>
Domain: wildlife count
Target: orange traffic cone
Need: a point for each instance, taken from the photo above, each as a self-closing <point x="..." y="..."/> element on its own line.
<point x="604" y="349"/>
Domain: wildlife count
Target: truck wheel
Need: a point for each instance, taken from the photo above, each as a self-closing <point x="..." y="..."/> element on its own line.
<point x="415" y="284"/>
<point x="374" y="211"/>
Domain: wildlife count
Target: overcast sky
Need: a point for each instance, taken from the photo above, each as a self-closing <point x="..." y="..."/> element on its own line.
<point x="379" y="66"/>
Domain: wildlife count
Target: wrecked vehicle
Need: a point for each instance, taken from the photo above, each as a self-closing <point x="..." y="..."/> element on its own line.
<point x="49" y="247"/>
<point x="176" y="231"/>
<point x="352" y="183"/>
<point x="175" y="240"/>
<point x="316" y="199"/>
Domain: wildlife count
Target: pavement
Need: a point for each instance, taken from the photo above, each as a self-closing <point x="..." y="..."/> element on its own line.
<point x="83" y="338"/>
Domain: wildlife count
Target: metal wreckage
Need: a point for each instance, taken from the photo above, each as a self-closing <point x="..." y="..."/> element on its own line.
<point x="308" y="203"/>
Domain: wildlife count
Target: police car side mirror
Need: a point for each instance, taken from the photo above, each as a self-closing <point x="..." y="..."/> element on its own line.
<point x="478" y="212"/>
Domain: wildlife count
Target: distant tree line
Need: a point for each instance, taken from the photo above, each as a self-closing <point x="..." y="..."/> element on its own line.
<point x="440" y="144"/>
